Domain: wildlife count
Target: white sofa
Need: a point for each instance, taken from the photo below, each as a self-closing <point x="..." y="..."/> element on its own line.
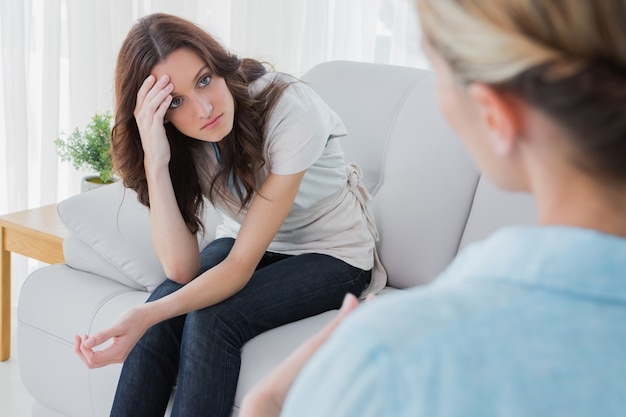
<point x="429" y="201"/>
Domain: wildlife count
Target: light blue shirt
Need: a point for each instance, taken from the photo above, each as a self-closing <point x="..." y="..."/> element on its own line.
<point x="530" y="322"/>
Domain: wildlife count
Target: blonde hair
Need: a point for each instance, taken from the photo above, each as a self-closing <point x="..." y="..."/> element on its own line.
<point x="564" y="57"/>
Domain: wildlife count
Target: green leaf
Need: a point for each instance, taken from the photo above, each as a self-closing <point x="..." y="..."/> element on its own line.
<point x="89" y="148"/>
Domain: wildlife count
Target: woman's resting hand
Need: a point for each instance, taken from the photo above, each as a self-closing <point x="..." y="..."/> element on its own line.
<point x="123" y="335"/>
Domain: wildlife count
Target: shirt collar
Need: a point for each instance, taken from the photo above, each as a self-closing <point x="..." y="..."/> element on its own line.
<point x="563" y="258"/>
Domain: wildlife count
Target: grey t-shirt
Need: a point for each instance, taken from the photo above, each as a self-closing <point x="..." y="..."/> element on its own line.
<point x="331" y="213"/>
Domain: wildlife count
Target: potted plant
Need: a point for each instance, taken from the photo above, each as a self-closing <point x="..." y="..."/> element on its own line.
<point x="89" y="148"/>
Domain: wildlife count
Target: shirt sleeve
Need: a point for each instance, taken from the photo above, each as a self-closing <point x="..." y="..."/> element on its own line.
<point x="298" y="129"/>
<point x="343" y="379"/>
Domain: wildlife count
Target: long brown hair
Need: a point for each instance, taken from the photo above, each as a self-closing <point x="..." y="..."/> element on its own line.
<point x="566" y="58"/>
<point x="148" y="43"/>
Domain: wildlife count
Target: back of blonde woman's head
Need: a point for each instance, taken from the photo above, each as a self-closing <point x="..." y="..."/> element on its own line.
<point x="565" y="57"/>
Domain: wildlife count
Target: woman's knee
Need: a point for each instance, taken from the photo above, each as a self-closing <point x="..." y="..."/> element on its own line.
<point x="167" y="287"/>
<point x="217" y="324"/>
<point x="214" y="253"/>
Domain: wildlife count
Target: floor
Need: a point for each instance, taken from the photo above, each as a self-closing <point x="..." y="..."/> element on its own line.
<point x="14" y="399"/>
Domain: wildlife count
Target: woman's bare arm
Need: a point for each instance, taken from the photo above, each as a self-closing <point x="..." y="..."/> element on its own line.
<point x="266" y="214"/>
<point x="175" y="246"/>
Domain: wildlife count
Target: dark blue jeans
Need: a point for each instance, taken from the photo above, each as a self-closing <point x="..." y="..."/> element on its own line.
<point x="200" y="352"/>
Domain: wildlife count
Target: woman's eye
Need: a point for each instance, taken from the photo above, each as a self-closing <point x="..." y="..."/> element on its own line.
<point x="176" y="101"/>
<point x="204" y="81"/>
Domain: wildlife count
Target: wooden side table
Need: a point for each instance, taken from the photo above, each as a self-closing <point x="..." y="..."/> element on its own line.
<point x="37" y="234"/>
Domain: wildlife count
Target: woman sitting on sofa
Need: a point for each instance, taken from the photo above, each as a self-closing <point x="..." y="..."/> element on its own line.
<point x="531" y="321"/>
<point x="192" y="122"/>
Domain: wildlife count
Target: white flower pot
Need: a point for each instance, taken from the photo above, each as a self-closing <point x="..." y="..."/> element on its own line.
<point x="91" y="182"/>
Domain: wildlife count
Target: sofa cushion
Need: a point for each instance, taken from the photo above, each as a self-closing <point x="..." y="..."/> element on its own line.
<point x="420" y="174"/>
<point x="370" y="127"/>
<point x="494" y="208"/>
<point x="110" y="235"/>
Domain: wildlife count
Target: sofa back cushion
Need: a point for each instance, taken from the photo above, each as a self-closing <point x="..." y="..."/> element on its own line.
<point x="368" y="98"/>
<point x="110" y="236"/>
<point x="494" y="208"/>
<point x="429" y="198"/>
<point x="420" y="175"/>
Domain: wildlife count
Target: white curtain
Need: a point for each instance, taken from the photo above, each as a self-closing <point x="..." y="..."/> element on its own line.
<point x="58" y="57"/>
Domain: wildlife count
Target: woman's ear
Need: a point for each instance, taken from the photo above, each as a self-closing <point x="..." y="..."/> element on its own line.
<point x="501" y="113"/>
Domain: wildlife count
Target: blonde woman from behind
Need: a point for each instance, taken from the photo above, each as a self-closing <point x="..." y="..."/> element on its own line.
<point x="529" y="322"/>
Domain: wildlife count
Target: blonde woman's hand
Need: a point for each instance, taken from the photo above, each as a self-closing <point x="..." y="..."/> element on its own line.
<point x="123" y="335"/>
<point x="153" y="101"/>
<point x="267" y="397"/>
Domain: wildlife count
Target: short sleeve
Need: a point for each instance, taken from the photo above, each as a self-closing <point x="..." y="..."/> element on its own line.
<point x="298" y="130"/>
